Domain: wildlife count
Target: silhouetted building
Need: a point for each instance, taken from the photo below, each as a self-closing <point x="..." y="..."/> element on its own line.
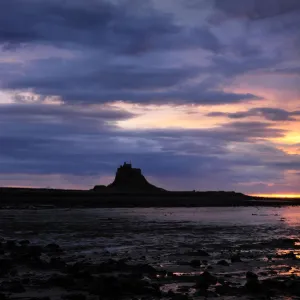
<point x="130" y="179"/>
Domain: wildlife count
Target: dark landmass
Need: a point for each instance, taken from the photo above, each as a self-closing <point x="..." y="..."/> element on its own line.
<point x="130" y="189"/>
<point x="20" y="197"/>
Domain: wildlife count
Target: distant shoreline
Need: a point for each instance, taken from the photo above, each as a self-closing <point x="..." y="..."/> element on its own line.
<point x="32" y="197"/>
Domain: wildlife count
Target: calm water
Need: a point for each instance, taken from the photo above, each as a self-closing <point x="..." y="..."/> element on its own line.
<point x="108" y="227"/>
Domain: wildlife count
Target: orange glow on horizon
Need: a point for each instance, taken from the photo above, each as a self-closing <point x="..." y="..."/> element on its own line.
<point x="277" y="195"/>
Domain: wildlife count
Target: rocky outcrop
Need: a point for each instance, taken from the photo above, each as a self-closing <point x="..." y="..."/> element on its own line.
<point x="129" y="179"/>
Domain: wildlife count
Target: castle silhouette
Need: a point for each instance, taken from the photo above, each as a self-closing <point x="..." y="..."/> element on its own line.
<point x="129" y="179"/>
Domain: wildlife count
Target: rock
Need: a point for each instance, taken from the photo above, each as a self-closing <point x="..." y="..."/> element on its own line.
<point x="63" y="281"/>
<point x="26" y="280"/>
<point x="25" y="254"/>
<point x="110" y="266"/>
<point x="75" y="268"/>
<point x="74" y="297"/>
<point x="3" y="297"/>
<point x="10" y="245"/>
<point x="272" y="283"/>
<point x="202" y="253"/>
<point x="269" y="257"/>
<point x="13" y="272"/>
<point x="84" y="274"/>
<point x="103" y="286"/>
<point x="24" y="242"/>
<point x="226" y="289"/>
<point x="170" y="293"/>
<point x="35" y="250"/>
<point x="179" y="297"/>
<point x="117" y="286"/>
<point x="223" y="262"/>
<point x="5" y="266"/>
<point x="197" y="253"/>
<point x="251" y="276"/>
<point x="235" y="258"/>
<point x="253" y="285"/>
<point x="295" y="287"/>
<point x="12" y="287"/>
<point x="195" y="263"/>
<point x="205" y="280"/>
<point x="80" y="270"/>
<point x="145" y="268"/>
<point x="38" y="263"/>
<point x="57" y="263"/>
<point x="121" y="266"/>
<point x="278" y="285"/>
<point x="53" y="248"/>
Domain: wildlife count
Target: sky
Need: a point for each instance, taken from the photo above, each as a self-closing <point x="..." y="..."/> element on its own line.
<point x="199" y="94"/>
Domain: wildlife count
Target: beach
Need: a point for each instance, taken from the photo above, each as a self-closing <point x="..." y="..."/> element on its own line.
<point x="151" y="253"/>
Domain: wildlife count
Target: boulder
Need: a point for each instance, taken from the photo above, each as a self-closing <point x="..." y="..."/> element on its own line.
<point x="5" y="266"/>
<point x="235" y="258"/>
<point x="53" y="248"/>
<point x="253" y="285"/>
<point x="12" y="287"/>
<point x="195" y="263"/>
<point x="223" y="262"/>
<point x="74" y="297"/>
<point x="205" y="280"/>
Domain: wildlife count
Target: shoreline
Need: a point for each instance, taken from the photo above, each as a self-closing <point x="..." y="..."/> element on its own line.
<point x="25" y="197"/>
<point x="149" y="255"/>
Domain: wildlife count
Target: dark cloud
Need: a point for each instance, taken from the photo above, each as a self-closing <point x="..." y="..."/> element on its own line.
<point x="256" y="9"/>
<point x="293" y="163"/>
<point x="56" y="122"/>
<point x="42" y="111"/>
<point x="110" y="33"/>
<point x="232" y="67"/>
<point x="268" y="113"/>
<point x="56" y="74"/>
<point x="230" y="132"/>
<point x="121" y="26"/>
<point x="109" y="82"/>
<point x="287" y="71"/>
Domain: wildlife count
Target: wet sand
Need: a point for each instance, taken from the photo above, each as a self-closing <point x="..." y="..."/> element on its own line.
<point x="150" y="253"/>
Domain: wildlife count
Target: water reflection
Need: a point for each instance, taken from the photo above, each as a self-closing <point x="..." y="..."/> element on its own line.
<point x="291" y="215"/>
<point x="283" y="253"/>
<point x="290" y="271"/>
<point x="218" y="215"/>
